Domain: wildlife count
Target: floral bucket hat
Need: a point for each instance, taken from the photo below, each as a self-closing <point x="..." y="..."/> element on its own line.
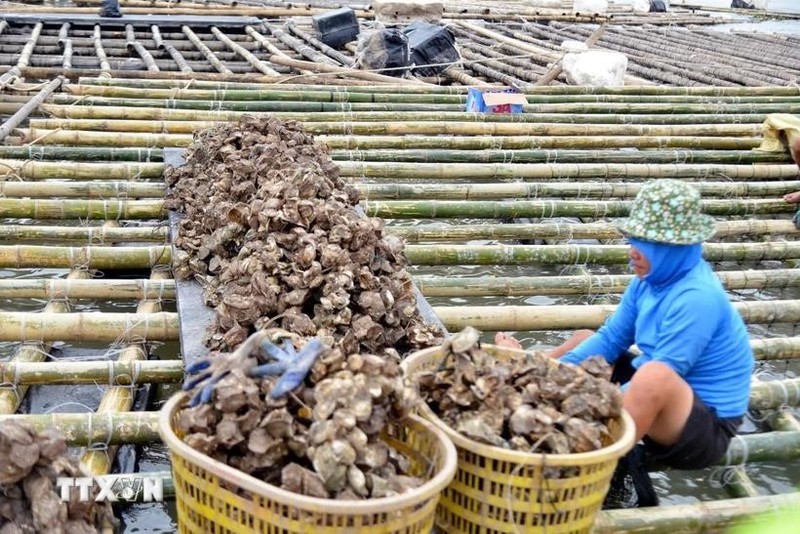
<point x="668" y="211"/>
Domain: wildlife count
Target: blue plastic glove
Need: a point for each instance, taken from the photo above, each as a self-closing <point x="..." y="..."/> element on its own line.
<point x="292" y="366"/>
<point x="796" y="219"/>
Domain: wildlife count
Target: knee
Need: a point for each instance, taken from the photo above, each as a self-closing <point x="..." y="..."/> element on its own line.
<point x="655" y="382"/>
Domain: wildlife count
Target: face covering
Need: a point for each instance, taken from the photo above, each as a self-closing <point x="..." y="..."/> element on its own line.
<point x="668" y="263"/>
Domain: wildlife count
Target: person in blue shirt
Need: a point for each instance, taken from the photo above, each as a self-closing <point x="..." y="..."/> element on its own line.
<point x="688" y="390"/>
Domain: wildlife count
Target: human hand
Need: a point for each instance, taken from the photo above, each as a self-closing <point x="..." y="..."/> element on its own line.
<point x="292" y="366"/>
<point x="792" y="198"/>
<point x="504" y="340"/>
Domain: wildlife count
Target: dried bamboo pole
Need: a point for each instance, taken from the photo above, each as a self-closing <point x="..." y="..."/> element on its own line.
<point x="445" y="155"/>
<point x="109" y="373"/>
<point x="83" y="154"/>
<point x="344" y="71"/>
<point x="573" y="171"/>
<point x="44" y="170"/>
<point x="81" y="209"/>
<point x="567" y="317"/>
<point x="247" y="55"/>
<point x="91" y="429"/>
<point x="57" y="288"/>
<point x="118" y="399"/>
<point x="66" y="61"/>
<point x="319" y="45"/>
<point x="151" y="112"/>
<point x="31" y="256"/>
<point x="595" y="190"/>
<point x="176" y="56"/>
<point x="101" y="327"/>
<point x="299" y="46"/>
<point x="459" y="286"/>
<point x="134" y="45"/>
<point x="105" y="68"/>
<point x="63" y="34"/>
<point x="509" y="66"/>
<point x="540" y="209"/>
<point x="109" y="139"/>
<point x="85" y="190"/>
<point x="264" y="43"/>
<point x="421" y="128"/>
<point x="27" y="50"/>
<point x="710" y="516"/>
<point x="489" y="70"/>
<point x="23" y="113"/>
<point x="94" y="235"/>
<point x="11" y="397"/>
<point x="782" y="348"/>
<point x="774" y="394"/>
<point x="208" y="54"/>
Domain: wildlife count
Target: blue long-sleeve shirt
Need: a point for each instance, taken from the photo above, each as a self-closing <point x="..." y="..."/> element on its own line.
<point x="688" y="324"/>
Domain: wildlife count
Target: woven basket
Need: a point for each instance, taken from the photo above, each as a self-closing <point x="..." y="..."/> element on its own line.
<point x="214" y="497"/>
<point x="497" y="490"/>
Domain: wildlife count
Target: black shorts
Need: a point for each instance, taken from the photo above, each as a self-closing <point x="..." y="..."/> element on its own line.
<point x="704" y="439"/>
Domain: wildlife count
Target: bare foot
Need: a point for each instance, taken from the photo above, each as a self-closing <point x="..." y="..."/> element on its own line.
<point x="794" y="198"/>
<point x="504" y="340"/>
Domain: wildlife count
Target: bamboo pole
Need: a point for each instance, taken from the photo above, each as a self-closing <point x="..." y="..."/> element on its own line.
<point x="92" y="430"/>
<point x="246" y="54"/>
<point x="31" y="256"/>
<point x="176" y="56"/>
<point x="782" y="348"/>
<point x="114" y="139"/>
<point x="120" y="398"/>
<point x="557" y="69"/>
<point x="57" y="288"/>
<point x="90" y="190"/>
<point x="83" y="154"/>
<point x="573" y="171"/>
<point x="334" y="69"/>
<point x="27" y="50"/>
<point x="81" y="209"/>
<point x="208" y="54"/>
<point x="273" y="50"/>
<point x="93" y="235"/>
<point x="484" y="286"/>
<point x="45" y="170"/>
<point x="66" y="61"/>
<point x="774" y="394"/>
<point x="319" y="45"/>
<point x="101" y="327"/>
<point x="566" y="317"/>
<point x="11" y="397"/>
<point x="23" y="113"/>
<point x="134" y="45"/>
<point x="105" y="67"/>
<point x="109" y="373"/>
<point x="299" y="46"/>
<point x="541" y="209"/>
<point x="738" y="483"/>
<point x="708" y="516"/>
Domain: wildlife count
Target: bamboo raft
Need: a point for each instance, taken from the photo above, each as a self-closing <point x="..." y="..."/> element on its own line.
<point x="508" y="218"/>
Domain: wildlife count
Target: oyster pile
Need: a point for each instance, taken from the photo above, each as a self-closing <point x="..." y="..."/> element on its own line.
<point x="323" y="440"/>
<point x="274" y="236"/>
<point x="272" y="232"/>
<point x="527" y="403"/>
<point x="30" y="502"/>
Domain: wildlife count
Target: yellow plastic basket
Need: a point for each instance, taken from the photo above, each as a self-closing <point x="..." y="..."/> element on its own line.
<point x="497" y="490"/>
<point x="212" y="497"/>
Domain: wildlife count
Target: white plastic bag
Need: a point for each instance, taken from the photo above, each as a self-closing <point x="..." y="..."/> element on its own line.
<point x="596" y="67"/>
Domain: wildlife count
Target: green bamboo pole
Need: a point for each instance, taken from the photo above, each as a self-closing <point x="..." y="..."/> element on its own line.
<point x="507" y="286"/>
<point x="546" y="156"/>
<point x="549" y="230"/>
<point x="118" y="399"/>
<point x="708" y="516"/>
<point x="81" y="209"/>
<point x="571" y="171"/>
<point x="421" y="128"/>
<point x="37" y="351"/>
<point x="44" y="170"/>
<point x="155" y="111"/>
<point x="32" y="256"/>
<point x="102" y="327"/>
<point x="567" y="317"/>
<point x="738" y="483"/>
<point x="50" y="288"/>
<point x="581" y="254"/>
<point x="95" y="235"/>
<point x="85" y="190"/>
<point x="115" y="139"/>
<point x="436" y="209"/>
<point x="91" y="429"/>
<point x="37" y="152"/>
<point x="783" y="421"/>
<point x="109" y="373"/>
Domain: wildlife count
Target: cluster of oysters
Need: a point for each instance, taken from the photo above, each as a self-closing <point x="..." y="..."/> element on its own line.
<point x="522" y="401"/>
<point x="274" y="236"/>
<point x="272" y="233"/>
<point x="30" y="462"/>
